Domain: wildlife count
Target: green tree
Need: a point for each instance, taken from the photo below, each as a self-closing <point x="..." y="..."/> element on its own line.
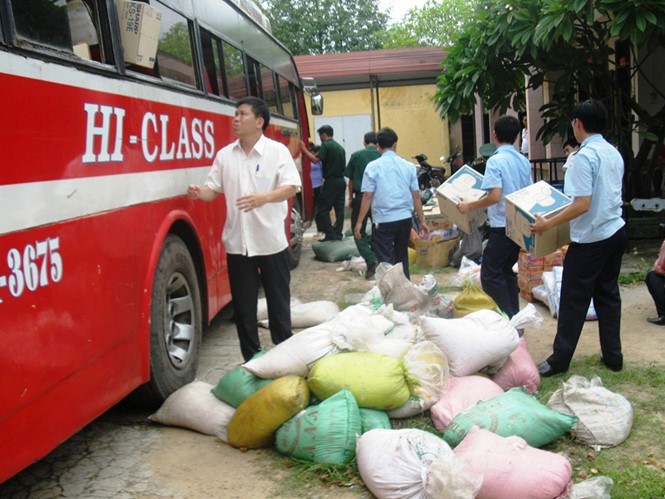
<point x="570" y="45"/>
<point x="438" y="23"/>
<point x="329" y="26"/>
<point x="175" y="42"/>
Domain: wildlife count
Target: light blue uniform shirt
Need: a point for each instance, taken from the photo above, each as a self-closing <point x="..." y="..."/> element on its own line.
<point x="510" y="171"/>
<point x="596" y="170"/>
<point x="392" y="180"/>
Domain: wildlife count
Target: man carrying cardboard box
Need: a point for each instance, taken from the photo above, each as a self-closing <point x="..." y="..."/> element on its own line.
<point x="599" y="240"/>
<point x="507" y="171"/>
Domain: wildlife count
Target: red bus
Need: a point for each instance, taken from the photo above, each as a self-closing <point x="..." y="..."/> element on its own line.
<point x="108" y="272"/>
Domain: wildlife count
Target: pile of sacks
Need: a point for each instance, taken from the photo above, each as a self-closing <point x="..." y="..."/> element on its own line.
<point x="328" y="394"/>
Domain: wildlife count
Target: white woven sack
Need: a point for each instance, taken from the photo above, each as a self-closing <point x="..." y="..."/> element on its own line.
<point x="194" y="407"/>
<point x="605" y="417"/>
<point x="473" y="342"/>
<point x="357" y="327"/>
<point x="262" y="308"/>
<point x="394" y="463"/>
<point x="309" y="314"/>
<point x="295" y="355"/>
<point x="394" y="347"/>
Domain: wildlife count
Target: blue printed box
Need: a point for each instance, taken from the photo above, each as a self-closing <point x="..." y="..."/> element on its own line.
<point x="537" y="199"/>
<point x="464" y="184"/>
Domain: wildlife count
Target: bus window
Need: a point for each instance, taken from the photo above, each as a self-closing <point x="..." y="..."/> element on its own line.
<point x="286" y="97"/>
<point x="42" y="22"/>
<point x="235" y="72"/>
<point x="174" y="52"/>
<point x="269" y="89"/>
<point x="69" y="26"/>
<point x="254" y="77"/>
<point x="212" y="78"/>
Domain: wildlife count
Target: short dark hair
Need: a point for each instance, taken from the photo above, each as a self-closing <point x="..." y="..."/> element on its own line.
<point x="327" y="129"/>
<point x="572" y="142"/>
<point x="507" y="128"/>
<point x="259" y="108"/>
<point x="592" y="114"/>
<point x="386" y="138"/>
<point x="370" y="138"/>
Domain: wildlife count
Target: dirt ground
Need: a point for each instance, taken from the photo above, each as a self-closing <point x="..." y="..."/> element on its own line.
<point x="642" y="341"/>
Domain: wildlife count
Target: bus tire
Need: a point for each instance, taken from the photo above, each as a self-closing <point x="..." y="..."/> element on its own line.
<point x="296" y="232"/>
<point x="176" y="324"/>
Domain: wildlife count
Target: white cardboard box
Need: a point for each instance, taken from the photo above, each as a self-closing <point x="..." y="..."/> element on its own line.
<point x="139" y="31"/>
<point x="537" y="199"/>
<point x="465" y="183"/>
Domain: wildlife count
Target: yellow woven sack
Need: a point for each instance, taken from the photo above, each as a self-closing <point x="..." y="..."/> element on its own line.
<point x="258" y="417"/>
<point x="471" y="299"/>
<point x="377" y="381"/>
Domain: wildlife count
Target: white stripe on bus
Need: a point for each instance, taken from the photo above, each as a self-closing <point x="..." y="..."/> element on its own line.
<point x="35" y="204"/>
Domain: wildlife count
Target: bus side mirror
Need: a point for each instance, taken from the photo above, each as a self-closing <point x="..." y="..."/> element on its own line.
<point x="316" y="101"/>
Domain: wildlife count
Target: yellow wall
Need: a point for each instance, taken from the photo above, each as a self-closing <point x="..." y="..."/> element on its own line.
<point x="409" y="110"/>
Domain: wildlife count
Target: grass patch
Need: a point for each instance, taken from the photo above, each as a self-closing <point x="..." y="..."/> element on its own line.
<point x="637" y="466"/>
<point x="636" y="275"/>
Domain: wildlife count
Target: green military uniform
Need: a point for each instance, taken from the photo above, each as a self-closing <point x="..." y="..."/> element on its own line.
<point x="354" y="171"/>
<point x="333" y="191"/>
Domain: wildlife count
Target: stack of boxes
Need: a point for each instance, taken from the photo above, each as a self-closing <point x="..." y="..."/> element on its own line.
<point x="531" y="268"/>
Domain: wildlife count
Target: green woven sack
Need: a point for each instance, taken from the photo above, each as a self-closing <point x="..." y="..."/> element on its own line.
<point x="323" y="433"/>
<point x="336" y="251"/>
<point x="373" y="419"/>
<point x="514" y="412"/>
<point x="377" y="381"/>
<point x="238" y="384"/>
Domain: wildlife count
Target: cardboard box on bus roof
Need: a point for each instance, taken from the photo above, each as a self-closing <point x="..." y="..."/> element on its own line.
<point x="139" y="31"/>
<point x="464" y="183"/>
<point x="521" y="206"/>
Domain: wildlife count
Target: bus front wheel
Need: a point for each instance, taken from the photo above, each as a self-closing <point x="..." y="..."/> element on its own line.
<point x="175" y="323"/>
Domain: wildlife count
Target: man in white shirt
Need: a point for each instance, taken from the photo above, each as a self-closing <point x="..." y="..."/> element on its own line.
<point x="257" y="176"/>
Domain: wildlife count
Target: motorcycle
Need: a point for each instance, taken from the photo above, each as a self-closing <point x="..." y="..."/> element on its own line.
<point x="429" y="176"/>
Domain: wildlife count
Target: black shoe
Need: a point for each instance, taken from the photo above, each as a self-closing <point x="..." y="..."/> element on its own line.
<point x="545" y="370"/>
<point x="371" y="270"/>
<point x="658" y="321"/>
<point x="612" y="367"/>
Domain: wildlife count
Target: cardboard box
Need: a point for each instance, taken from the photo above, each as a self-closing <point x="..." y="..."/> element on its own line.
<point x="434" y="253"/>
<point x="435" y="220"/>
<point x="521" y="206"/>
<point x="139" y="31"/>
<point x="465" y="183"/>
<point x="530" y="270"/>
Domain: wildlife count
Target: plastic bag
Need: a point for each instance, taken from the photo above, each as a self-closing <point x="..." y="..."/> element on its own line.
<point x="598" y="487"/>
<point x="470" y="246"/>
<point x="469" y="272"/>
